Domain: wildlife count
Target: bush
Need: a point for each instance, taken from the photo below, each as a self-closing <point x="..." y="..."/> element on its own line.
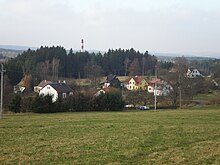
<point x="26" y="104"/>
<point x="43" y="104"/>
<point x="109" y="102"/>
<point x="78" y="103"/>
<point x="15" y="104"/>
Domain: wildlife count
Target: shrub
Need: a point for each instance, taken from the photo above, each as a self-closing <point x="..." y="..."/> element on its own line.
<point x="43" y="104"/>
<point x="15" y="104"/>
<point x="109" y="102"/>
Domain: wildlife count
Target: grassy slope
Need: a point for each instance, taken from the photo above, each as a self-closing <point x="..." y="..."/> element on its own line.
<point x="163" y="137"/>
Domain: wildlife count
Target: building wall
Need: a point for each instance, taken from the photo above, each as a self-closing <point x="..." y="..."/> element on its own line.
<point x="131" y="85"/>
<point x="49" y="90"/>
<point x="193" y="73"/>
<point x="143" y="85"/>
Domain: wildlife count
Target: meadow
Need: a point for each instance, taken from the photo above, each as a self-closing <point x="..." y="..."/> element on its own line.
<point x="136" y="137"/>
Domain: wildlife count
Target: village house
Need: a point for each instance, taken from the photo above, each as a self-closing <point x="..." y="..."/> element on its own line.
<point x="41" y="85"/>
<point x="23" y="84"/>
<point x="112" y="81"/>
<point x="164" y="89"/>
<point x="152" y="83"/>
<point x="137" y="83"/>
<point x="56" y="90"/>
<point x="159" y="87"/>
<point x="193" y="73"/>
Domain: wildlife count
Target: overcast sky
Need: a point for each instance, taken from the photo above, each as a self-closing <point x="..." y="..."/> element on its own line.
<point x="178" y="26"/>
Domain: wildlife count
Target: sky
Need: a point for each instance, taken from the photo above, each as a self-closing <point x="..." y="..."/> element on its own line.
<point x="165" y="26"/>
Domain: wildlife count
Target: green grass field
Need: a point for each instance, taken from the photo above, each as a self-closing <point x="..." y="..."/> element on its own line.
<point x="138" y="137"/>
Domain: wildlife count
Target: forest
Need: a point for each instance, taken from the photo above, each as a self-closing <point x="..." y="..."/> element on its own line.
<point x="55" y="62"/>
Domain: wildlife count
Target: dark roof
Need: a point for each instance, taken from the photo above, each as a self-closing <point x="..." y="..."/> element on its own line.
<point x="110" y="78"/>
<point x="44" y="83"/>
<point x="61" y="87"/>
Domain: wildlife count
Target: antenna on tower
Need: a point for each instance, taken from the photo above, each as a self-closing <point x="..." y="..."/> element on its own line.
<point x="82" y="46"/>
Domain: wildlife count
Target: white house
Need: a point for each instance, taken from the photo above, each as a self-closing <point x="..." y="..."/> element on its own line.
<point x="56" y="90"/>
<point x="164" y="89"/>
<point x="159" y="88"/>
<point x="193" y="73"/>
<point x="152" y="83"/>
<point x="41" y="85"/>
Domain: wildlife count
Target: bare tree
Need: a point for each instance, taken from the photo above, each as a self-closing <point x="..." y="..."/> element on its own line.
<point x="93" y="71"/>
<point x="134" y="68"/>
<point x="55" y="69"/>
<point x="43" y="69"/>
<point x="126" y="62"/>
<point x="143" y="61"/>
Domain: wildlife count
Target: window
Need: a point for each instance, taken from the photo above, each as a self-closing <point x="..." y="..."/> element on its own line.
<point x="48" y="87"/>
<point x="64" y="95"/>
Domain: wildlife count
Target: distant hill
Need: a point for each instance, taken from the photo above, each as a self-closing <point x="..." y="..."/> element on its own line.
<point x="16" y="47"/>
<point x="8" y="53"/>
<point x="11" y="51"/>
<point x="171" y="56"/>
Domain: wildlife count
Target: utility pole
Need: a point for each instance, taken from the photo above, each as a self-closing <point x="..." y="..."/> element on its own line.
<point x="2" y="80"/>
<point x="155" y="90"/>
<point x="180" y="90"/>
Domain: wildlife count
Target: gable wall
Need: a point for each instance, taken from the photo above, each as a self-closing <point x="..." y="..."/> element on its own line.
<point x="49" y="90"/>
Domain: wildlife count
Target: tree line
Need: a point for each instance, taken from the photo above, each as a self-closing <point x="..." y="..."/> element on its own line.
<point x="54" y="62"/>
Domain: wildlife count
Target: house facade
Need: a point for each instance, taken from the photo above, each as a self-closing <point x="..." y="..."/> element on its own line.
<point x="137" y="83"/>
<point x="164" y="89"/>
<point x="193" y="73"/>
<point x="159" y="88"/>
<point x="152" y="83"/>
<point x="56" y="90"/>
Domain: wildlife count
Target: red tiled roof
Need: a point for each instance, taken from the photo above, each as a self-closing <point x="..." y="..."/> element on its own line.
<point x="153" y="81"/>
<point x="138" y="79"/>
